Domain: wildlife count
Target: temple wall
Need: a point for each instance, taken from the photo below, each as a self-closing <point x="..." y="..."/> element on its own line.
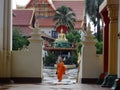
<point x="100" y="59"/>
<point x="24" y="64"/>
<point x="48" y="31"/>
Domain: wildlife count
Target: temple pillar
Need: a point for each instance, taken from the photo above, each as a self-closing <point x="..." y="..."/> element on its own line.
<point x="105" y="40"/>
<point x="90" y="66"/>
<point x="112" y="7"/>
<point x="104" y="14"/>
<point x="116" y="85"/>
<point x="113" y="39"/>
<point x="5" y="41"/>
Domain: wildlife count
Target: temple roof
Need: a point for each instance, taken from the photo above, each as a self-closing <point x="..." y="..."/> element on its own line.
<point x="22" y="17"/>
<point x="77" y="6"/>
<point x="24" y="20"/>
<point x="31" y="3"/>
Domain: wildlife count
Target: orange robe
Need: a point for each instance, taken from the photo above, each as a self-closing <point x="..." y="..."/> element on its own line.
<point x="60" y="70"/>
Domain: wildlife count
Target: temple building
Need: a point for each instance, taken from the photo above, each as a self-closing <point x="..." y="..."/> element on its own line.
<point x="10" y="64"/>
<point x="43" y="11"/>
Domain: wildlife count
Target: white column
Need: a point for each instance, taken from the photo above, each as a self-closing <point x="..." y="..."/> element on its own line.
<point x="1" y="23"/>
<point x="1" y="33"/>
<point x="35" y="48"/>
<point x="119" y="43"/>
<point x="5" y="38"/>
<point x="90" y="68"/>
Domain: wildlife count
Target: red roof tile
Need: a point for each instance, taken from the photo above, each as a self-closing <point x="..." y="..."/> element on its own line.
<point x="26" y="30"/>
<point x="77" y="6"/>
<point x="31" y="3"/>
<point x="46" y="22"/>
<point x="22" y="17"/>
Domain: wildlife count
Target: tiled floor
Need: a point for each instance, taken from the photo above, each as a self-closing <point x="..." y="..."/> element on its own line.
<point x="50" y="82"/>
<point x="52" y="87"/>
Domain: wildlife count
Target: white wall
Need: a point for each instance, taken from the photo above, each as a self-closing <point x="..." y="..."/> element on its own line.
<point x="48" y="31"/>
<point x="25" y="64"/>
<point x="1" y="23"/>
<point x="29" y="63"/>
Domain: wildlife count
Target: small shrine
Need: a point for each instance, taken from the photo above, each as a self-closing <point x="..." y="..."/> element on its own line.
<point x="61" y="46"/>
<point x="61" y="41"/>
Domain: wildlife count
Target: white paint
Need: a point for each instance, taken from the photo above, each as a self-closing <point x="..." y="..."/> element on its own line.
<point x="47" y="30"/>
<point x="1" y="23"/>
<point x="29" y="63"/>
<point x="25" y="64"/>
<point x="90" y="65"/>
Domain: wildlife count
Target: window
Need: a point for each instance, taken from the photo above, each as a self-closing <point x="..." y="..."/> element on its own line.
<point x="54" y="34"/>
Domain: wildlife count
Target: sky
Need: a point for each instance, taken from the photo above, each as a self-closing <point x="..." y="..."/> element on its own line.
<point x="19" y="2"/>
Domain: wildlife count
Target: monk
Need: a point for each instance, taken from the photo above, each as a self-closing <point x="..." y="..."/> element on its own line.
<point x="60" y="68"/>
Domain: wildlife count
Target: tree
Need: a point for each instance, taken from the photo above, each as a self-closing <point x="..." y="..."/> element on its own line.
<point x="18" y="39"/>
<point x="50" y="59"/>
<point x="65" y="16"/>
<point x="92" y="9"/>
<point x="73" y="37"/>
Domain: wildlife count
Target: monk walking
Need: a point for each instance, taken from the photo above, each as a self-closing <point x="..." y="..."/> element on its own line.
<point x="60" y="68"/>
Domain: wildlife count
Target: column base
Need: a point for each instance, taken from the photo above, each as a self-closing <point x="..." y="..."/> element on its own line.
<point x="26" y="80"/>
<point x="89" y="80"/>
<point x="116" y="85"/>
<point x="4" y="81"/>
<point x="101" y="78"/>
<point x="109" y="80"/>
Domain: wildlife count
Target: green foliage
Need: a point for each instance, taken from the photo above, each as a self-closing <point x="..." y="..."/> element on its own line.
<point x="101" y="36"/>
<point x="18" y="39"/>
<point x="99" y="43"/>
<point x="92" y="9"/>
<point x="50" y="59"/>
<point x="65" y="16"/>
<point x="79" y="47"/>
<point x="73" y="36"/>
<point x="72" y="60"/>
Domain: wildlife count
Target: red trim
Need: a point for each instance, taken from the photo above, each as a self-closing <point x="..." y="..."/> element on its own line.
<point x="62" y="27"/>
<point x="106" y="38"/>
